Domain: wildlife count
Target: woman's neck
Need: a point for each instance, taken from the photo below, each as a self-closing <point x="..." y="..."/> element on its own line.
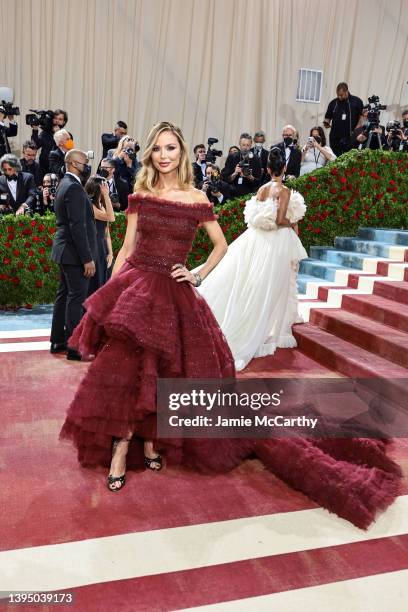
<point x="168" y="182"/>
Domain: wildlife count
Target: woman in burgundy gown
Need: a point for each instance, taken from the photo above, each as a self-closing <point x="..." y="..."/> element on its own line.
<point x="149" y="322"/>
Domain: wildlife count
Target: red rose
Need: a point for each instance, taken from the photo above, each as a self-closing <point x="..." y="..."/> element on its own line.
<point x="333" y="190"/>
<point x="10" y="229"/>
<point x="20" y="265"/>
<point x="39" y="283"/>
<point x="7" y="245"/>
<point x="378" y="196"/>
<point x="41" y="250"/>
<point x="49" y="242"/>
<point x="41" y="227"/>
<point x="27" y="231"/>
<point x="313" y="178"/>
<point x="27" y="244"/>
<point x="334" y="171"/>
<point x="3" y="277"/>
<point x="36" y="239"/>
<point x="33" y="223"/>
<point x="392" y="182"/>
<point x="46" y="268"/>
<point x="362" y="173"/>
<point x="53" y="230"/>
<point x="317" y="230"/>
<point x="32" y="267"/>
<point x="31" y="253"/>
<point x="120" y="235"/>
<point x="15" y="280"/>
<point x="343" y="180"/>
<point x="10" y="237"/>
<point x="16" y="252"/>
<point x="374" y="175"/>
<point x="6" y="261"/>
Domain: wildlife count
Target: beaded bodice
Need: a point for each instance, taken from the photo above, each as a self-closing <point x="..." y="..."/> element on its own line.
<point x="165" y="231"/>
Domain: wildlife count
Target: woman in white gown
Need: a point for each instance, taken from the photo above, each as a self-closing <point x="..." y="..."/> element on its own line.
<point x="252" y="291"/>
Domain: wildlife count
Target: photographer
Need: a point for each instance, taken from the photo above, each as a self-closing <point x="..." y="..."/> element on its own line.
<point x="243" y="170"/>
<point x="111" y="141"/>
<point x="199" y="165"/>
<point x="259" y="151"/>
<point x="50" y="122"/>
<point x="29" y="163"/>
<point x="48" y="192"/>
<point x="342" y="116"/>
<point x="126" y="162"/>
<point x="9" y="131"/>
<point x="397" y="134"/>
<point x="18" y="186"/>
<point x="369" y="134"/>
<point x="118" y="187"/>
<point x="315" y="153"/>
<point x="216" y="190"/>
<point x="64" y="143"/>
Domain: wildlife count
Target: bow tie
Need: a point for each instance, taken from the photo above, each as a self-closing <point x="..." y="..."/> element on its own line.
<point x="11" y="178"/>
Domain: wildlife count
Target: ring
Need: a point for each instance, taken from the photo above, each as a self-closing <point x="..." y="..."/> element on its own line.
<point x="179" y="266"/>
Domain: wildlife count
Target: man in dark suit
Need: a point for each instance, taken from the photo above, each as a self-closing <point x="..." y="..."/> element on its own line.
<point x="111" y="141"/>
<point x="6" y="132"/>
<point x="74" y="249"/>
<point x="64" y="143"/>
<point x="17" y="185"/>
<point x="118" y="187"/>
<point x="243" y="170"/>
<point x="199" y="165"/>
<point x="29" y="163"/>
<point x="262" y="154"/>
<point x="292" y="153"/>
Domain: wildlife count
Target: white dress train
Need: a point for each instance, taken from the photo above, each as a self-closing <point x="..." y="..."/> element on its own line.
<point x="252" y="291"/>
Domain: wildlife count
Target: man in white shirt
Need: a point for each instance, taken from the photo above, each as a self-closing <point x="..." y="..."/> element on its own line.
<point x="18" y="187"/>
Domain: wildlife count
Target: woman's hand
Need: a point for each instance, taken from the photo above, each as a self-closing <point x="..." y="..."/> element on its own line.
<point x="181" y="274"/>
<point x="109" y="259"/>
<point x="105" y="190"/>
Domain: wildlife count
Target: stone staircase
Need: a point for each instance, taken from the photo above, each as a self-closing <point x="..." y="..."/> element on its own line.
<point x="354" y="299"/>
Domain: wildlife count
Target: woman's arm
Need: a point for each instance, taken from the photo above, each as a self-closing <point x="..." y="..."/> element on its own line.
<point x="281" y="220"/>
<point x="129" y="243"/>
<point x="109" y="257"/>
<point x="220" y="247"/>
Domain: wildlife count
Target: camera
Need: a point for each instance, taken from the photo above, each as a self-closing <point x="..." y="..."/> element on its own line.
<point x="8" y="109"/>
<point x="114" y="198"/>
<point x="54" y="184"/>
<point x="5" y="206"/>
<point x="392" y="127"/>
<point x="212" y="154"/>
<point x="373" y="115"/>
<point x="131" y="153"/>
<point x="215" y="183"/>
<point x="40" y="118"/>
<point x="246" y="168"/>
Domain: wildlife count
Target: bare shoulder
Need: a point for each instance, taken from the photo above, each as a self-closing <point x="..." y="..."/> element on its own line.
<point x="263" y="192"/>
<point x="198" y="196"/>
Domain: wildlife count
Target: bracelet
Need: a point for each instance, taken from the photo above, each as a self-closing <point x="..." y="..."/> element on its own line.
<point x="197" y="279"/>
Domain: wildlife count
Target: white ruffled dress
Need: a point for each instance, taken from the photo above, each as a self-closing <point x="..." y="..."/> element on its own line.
<point x="252" y="292"/>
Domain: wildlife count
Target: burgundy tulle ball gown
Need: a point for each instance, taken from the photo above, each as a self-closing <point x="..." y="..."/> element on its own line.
<point x="143" y="325"/>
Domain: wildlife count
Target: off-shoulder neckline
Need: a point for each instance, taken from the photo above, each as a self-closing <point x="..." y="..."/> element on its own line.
<point x="191" y="205"/>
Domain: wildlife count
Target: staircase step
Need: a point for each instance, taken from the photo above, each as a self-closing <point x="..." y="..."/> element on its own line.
<point x="345" y="259"/>
<point x="375" y="337"/>
<point x="350" y="360"/>
<point x="319" y="269"/>
<point x="393" y="290"/>
<point x="372" y="247"/>
<point x="379" y="309"/>
<point x="391" y="236"/>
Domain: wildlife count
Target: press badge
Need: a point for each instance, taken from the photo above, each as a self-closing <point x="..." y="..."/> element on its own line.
<point x="344" y="116"/>
<point x="240" y="180"/>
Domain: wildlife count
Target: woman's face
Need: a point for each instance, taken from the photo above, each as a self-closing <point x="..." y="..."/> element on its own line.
<point x="166" y="152"/>
<point x="316" y="135"/>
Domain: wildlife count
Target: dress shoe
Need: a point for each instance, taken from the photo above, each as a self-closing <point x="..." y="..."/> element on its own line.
<point x="73" y="355"/>
<point x="58" y="347"/>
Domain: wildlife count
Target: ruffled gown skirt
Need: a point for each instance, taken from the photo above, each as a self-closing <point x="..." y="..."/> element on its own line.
<point x="141" y="326"/>
<point x="253" y="295"/>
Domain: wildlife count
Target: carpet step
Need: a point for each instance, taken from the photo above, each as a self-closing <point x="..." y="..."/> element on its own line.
<point x="371" y="247"/>
<point x="319" y="269"/>
<point x="378" y="309"/>
<point x="377" y="338"/>
<point x="345" y="259"/>
<point x="391" y="236"/>
<point x="394" y="290"/>
<point x="350" y="360"/>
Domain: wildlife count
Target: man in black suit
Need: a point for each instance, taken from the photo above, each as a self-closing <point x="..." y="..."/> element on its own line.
<point x="118" y="187"/>
<point x="64" y="143"/>
<point x="29" y="163"/>
<point x="342" y="115"/>
<point x="292" y="153"/>
<point x="262" y="154"/>
<point x="6" y="132"/>
<point x="199" y="165"/>
<point x="74" y="249"/>
<point x="243" y="170"/>
<point x="111" y="141"/>
<point x="17" y="185"/>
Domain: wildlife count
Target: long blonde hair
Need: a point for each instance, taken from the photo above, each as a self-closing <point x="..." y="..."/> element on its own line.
<point x="147" y="176"/>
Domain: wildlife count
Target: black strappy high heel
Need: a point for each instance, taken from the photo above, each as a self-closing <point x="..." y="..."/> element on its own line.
<point x="112" y="480"/>
<point x="148" y="463"/>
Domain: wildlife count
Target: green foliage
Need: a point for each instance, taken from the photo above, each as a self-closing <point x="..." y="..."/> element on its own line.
<point x="368" y="188"/>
